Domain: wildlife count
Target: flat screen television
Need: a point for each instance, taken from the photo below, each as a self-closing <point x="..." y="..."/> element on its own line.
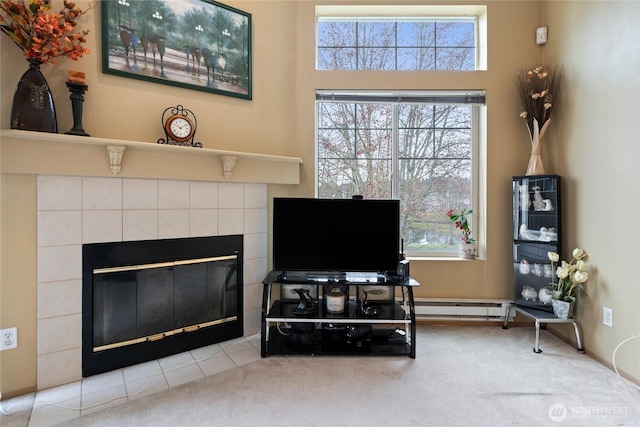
<point x="336" y="235"/>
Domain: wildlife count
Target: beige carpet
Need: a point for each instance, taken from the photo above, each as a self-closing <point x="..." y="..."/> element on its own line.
<point x="462" y="376"/>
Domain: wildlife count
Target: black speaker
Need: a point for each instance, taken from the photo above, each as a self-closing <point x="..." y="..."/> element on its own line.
<point x="403" y="268"/>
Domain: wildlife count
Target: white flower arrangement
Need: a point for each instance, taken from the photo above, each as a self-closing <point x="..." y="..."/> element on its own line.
<point x="571" y="275"/>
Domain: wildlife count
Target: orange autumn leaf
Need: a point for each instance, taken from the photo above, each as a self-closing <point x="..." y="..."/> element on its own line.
<point x="41" y="34"/>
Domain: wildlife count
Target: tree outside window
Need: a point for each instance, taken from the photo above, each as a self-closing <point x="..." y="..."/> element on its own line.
<point x="420" y="152"/>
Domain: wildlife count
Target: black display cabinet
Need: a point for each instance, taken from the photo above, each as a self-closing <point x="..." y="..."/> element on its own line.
<point x="536" y="231"/>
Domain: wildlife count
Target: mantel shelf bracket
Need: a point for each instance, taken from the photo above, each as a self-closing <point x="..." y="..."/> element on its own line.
<point x="228" y="162"/>
<point x="115" y="157"/>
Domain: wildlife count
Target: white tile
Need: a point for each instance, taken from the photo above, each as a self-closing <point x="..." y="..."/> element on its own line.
<point x="101" y="193"/>
<point x="146" y="386"/>
<point x="207" y="352"/>
<point x="57" y="228"/>
<point x="203" y="195"/>
<point x="173" y="194"/>
<point x="234" y="345"/>
<point x="252" y="295"/>
<point x="230" y="195"/>
<point x="100" y="382"/>
<point x="176" y="361"/>
<point x="183" y="375"/>
<point x="49" y="415"/>
<point x="59" y="394"/>
<point x="203" y="222"/>
<point x="139" y="225"/>
<point x="255" y="339"/>
<point x="173" y="223"/>
<point x="59" y="193"/>
<point x="255" y="246"/>
<point x="103" y="399"/>
<point x="255" y="196"/>
<point x="59" y="333"/>
<point x="217" y="364"/>
<point x="59" y="298"/>
<point x="255" y="221"/>
<point x="245" y="356"/>
<point x="101" y="226"/>
<point x="57" y="263"/>
<point x="255" y="270"/>
<point x="230" y="221"/>
<point x="253" y="322"/>
<point x="141" y="371"/>
<point x="58" y="368"/>
<point x="140" y="194"/>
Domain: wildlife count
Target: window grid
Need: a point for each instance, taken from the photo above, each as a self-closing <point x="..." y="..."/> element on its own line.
<point x="350" y="55"/>
<point x="427" y="194"/>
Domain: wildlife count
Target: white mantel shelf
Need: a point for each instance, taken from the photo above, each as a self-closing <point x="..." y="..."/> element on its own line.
<point x="54" y="153"/>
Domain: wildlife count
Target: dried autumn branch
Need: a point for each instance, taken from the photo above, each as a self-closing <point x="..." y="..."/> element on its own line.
<point x="42" y="34"/>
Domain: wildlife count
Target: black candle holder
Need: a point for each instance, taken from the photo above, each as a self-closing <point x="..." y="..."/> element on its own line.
<point x="77" y="90"/>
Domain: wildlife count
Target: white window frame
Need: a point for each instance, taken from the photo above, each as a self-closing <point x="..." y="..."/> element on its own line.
<point x="479" y="12"/>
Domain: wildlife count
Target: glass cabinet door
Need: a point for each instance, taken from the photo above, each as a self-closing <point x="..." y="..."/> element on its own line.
<point x="536" y="208"/>
<point x="536" y="231"/>
<point x="532" y="275"/>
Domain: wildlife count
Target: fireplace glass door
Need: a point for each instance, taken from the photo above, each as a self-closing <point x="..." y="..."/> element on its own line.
<point x="144" y="300"/>
<point x="153" y="301"/>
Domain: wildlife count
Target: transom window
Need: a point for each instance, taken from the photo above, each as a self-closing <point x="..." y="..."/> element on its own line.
<point x="418" y="147"/>
<point x="389" y="43"/>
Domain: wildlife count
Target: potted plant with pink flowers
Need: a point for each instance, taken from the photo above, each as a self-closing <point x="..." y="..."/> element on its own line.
<point x="468" y="245"/>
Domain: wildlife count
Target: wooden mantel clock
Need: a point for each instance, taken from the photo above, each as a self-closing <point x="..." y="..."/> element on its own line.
<point x="179" y="127"/>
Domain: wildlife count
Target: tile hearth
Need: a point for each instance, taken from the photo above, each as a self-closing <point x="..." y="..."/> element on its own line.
<point x="70" y="401"/>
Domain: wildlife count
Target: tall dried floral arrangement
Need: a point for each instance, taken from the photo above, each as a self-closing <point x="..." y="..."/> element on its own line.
<point x="538" y="89"/>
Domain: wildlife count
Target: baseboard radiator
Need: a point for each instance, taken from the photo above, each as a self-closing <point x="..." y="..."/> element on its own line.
<point x="487" y="310"/>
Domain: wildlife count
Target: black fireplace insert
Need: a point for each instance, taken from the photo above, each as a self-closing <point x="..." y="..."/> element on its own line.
<point x="143" y="300"/>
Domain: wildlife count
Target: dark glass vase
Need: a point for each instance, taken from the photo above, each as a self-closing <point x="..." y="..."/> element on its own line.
<point x="33" y="107"/>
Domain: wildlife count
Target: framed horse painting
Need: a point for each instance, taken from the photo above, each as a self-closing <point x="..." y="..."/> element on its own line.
<point x="193" y="44"/>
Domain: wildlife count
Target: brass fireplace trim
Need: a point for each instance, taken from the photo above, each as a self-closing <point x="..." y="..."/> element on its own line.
<point x="156" y="337"/>
<point x="162" y="264"/>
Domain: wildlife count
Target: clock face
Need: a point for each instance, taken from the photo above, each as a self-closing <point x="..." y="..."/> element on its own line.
<point x="180" y="128"/>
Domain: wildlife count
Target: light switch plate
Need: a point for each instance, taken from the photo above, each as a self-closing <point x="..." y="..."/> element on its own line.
<point x="541" y="35"/>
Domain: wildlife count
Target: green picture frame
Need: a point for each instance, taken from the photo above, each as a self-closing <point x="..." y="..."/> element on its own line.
<point x="193" y="44"/>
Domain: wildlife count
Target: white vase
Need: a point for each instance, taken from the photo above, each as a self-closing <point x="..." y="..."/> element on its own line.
<point x="562" y="309"/>
<point x="467" y="250"/>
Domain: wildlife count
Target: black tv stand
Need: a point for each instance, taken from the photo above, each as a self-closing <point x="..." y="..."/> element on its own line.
<point x="295" y="276"/>
<point x="378" y="316"/>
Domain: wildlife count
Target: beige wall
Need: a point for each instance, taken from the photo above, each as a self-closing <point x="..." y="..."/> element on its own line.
<point x="18" y="280"/>
<point x="596" y="149"/>
<point x="280" y="120"/>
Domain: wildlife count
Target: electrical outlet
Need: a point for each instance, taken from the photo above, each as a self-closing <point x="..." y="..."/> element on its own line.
<point x="607" y="316"/>
<point x="8" y="338"/>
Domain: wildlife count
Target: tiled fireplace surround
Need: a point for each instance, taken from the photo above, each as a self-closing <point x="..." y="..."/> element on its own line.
<point x="76" y="210"/>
